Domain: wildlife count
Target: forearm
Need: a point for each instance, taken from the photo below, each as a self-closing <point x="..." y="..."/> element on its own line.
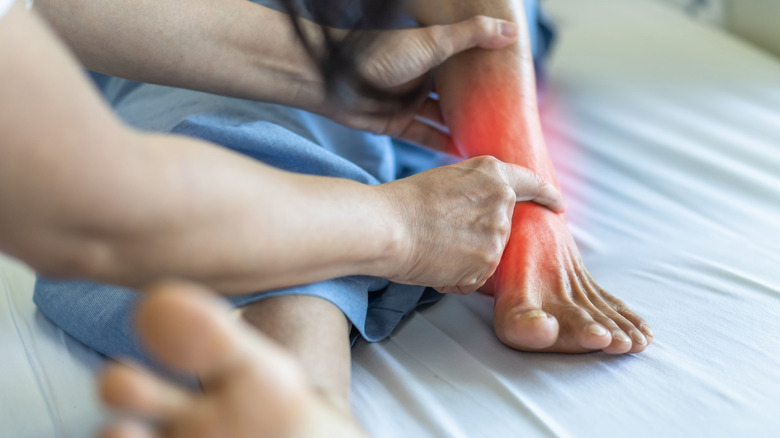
<point x="489" y="97"/>
<point x="229" y="47"/>
<point x="147" y="206"/>
<point x="235" y="224"/>
<point x="84" y="196"/>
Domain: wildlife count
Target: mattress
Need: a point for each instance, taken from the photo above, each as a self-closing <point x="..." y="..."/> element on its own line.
<point x="666" y="137"/>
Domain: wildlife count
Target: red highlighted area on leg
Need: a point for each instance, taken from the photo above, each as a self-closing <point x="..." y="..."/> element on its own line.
<point x="545" y="300"/>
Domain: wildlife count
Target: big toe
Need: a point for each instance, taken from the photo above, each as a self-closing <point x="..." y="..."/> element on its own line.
<point x="526" y="328"/>
<point x="186" y="327"/>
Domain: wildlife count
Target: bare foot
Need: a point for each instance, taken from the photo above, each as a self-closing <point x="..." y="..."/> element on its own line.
<point x="545" y="300"/>
<point x="251" y="387"/>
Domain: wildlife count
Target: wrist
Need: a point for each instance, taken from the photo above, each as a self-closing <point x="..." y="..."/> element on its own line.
<point x="391" y="248"/>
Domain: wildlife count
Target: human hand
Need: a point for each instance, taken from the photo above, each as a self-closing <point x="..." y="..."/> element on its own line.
<point x="456" y="221"/>
<point x="399" y="60"/>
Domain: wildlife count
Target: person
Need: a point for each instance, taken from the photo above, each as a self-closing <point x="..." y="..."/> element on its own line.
<point x="85" y="196"/>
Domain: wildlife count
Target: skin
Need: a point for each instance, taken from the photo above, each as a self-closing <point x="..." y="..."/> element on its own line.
<point x="88" y="197"/>
<point x="81" y="216"/>
<point x="251" y="386"/>
<point x="545" y="300"/>
<point x="217" y="47"/>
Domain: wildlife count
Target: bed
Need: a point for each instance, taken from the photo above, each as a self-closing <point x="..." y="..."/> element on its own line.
<point x="666" y="137"/>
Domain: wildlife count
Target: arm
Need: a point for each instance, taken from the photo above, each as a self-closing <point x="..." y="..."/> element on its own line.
<point x="229" y="47"/>
<point x="82" y="195"/>
<point x="240" y="49"/>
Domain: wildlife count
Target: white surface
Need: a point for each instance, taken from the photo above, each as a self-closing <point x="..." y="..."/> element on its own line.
<point x="5" y="5"/>
<point x="666" y="135"/>
<point x="46" y="377"/>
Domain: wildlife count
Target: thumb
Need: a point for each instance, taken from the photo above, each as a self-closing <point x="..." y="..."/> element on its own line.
<point x="531" y="187"/>
<point x="480" y="31"/>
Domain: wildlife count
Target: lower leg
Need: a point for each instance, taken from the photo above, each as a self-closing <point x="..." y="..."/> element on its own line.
<point x="545" y="298"/>
<point x="315" y="332"/>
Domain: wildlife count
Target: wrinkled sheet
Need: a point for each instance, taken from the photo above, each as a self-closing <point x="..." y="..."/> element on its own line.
<point x="666" y="137"/>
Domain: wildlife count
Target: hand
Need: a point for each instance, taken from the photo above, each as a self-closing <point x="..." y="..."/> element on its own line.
<point x="457" y="220"/>
<point x="398" y="59"/>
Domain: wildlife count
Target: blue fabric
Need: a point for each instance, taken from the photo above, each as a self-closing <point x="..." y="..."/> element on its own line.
<point x="101" y="315"/>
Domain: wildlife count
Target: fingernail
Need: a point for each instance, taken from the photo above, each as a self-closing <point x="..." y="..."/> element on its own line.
<point x="646" y="328"/>
<point x="597" y="329"/>
<point x="621" y="337"/>
<point x="509" y="29"/>
<point x="533" y="314"/>
<point x="638" y="337"/>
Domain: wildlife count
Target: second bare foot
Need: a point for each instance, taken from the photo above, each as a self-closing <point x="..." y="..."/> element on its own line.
<point x="251" y="387"/>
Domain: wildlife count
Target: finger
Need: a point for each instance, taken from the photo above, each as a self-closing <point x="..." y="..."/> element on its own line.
<point x="430" y="114"/>
<point x="427" y="136"/>
<point x="531" y="187"/>
<point x="479" y="31"/>
<point x="459" y="290"/>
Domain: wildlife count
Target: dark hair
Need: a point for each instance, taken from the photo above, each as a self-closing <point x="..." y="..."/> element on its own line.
<point x="337" y="58"/>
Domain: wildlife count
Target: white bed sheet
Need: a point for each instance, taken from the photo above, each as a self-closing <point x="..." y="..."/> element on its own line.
<point x="666" y="135"/>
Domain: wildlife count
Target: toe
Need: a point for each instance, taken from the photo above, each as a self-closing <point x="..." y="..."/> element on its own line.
<point x="191" y="330"/>
<point x="642" y="328"/>
<point x="525" y="328"/>
<point x="625" y="337"/>
<point x="620" y="344"/>
<point x="126" y="388"/>
<point x="632" y="335"/>
<point x="127" y="429"/>
<point x="184" y="326"/>
<point x="579" y="331"/>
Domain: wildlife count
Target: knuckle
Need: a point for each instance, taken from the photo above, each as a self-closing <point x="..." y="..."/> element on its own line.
<point x="437" y="43"/>
<point x="488" y="162"/>
<point x="496" y="249"/>
<point x="508" y="195"/>
<point x="504" y="227"/>
<point x="484" y="25"/>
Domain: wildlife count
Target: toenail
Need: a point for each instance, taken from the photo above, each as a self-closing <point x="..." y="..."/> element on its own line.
<point x="621" y="337"/>
<point x="597" y="329"/>
<point x="533" y="314"/>
<point x="638" y="338"/>
<point x="646" y="328"/>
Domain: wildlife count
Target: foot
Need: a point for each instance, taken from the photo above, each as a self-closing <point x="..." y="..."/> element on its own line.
<point x="545" y="300"/>
<point x="251" y="387"/>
